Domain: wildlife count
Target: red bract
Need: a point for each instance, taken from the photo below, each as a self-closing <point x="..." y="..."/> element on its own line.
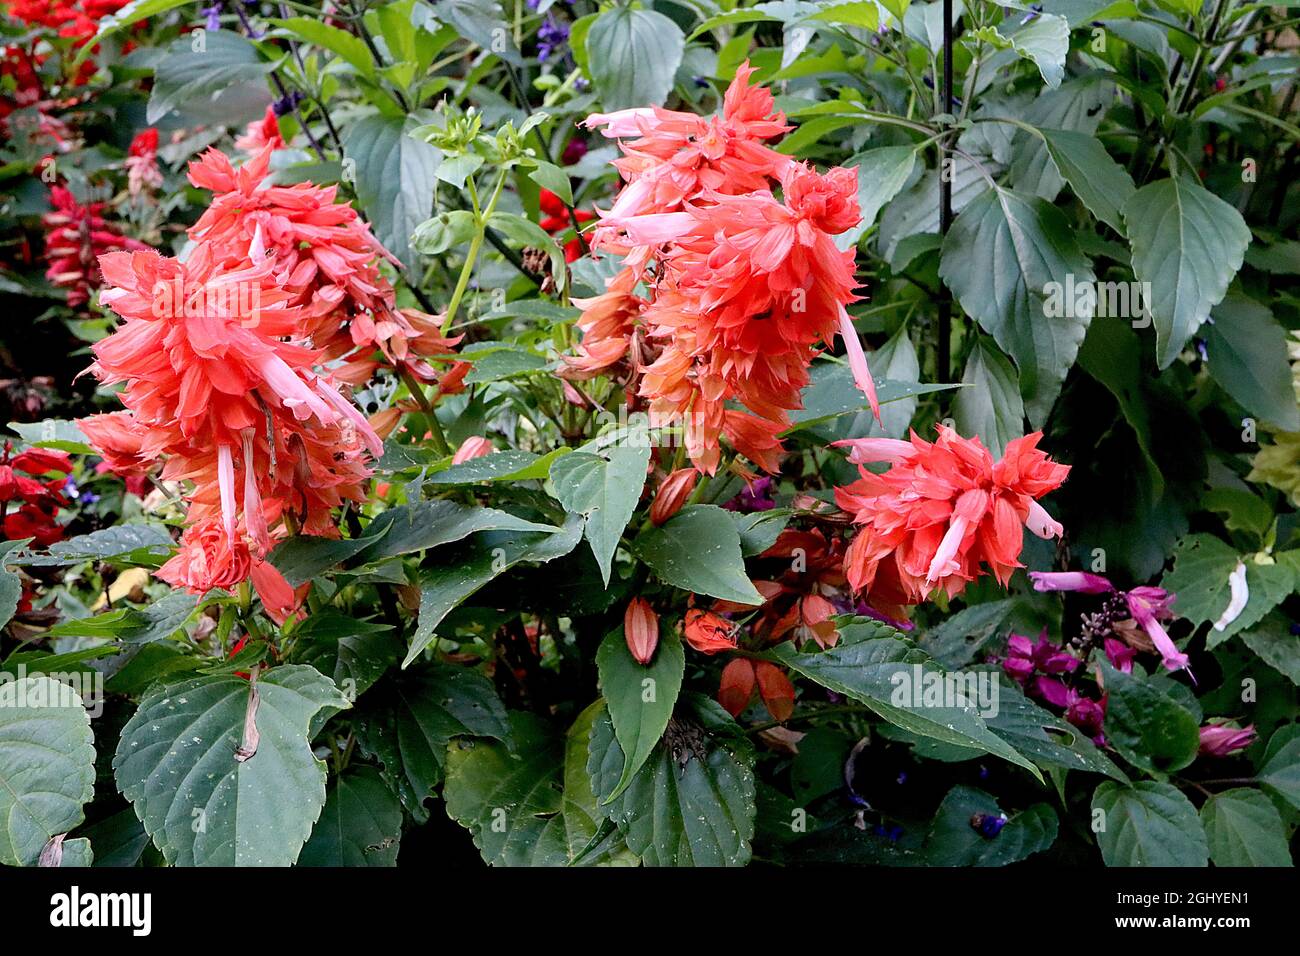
<point x="36" y="516"/>
<point x="557" y="222"/>
<point x="75" y="237"/>
<point x="709" y="633"/>
<point x="672" y="494"/>
<point x="641" y="629"/>
<point x="942" y="512"/>
<point x="736" y="686"/>
<point x="746" y="285"/>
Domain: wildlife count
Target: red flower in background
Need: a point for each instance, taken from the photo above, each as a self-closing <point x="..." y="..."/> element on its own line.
<point x="75" y="237"/>
<point x="556" y="221"/>
<point x="142" y="162"/>
<point x="23" y="480"/>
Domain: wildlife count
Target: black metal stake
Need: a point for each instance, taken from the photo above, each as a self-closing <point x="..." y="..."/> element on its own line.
<point x="945" y="203"/>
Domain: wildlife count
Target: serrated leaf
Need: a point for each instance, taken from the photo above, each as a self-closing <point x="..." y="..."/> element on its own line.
<point x="139" y="542"/>
<point x="1003" y="257"/>
<point x="407" y="724"/>
<point x="395" y="179"/>
<point x="1243" y="828"/>
<point x="1045" y="738"/>
<point x="1147" y="727"/>
<point x="1279" y="770"/>
<point x="604" y="489"/>
<point x="1148" y="824"/>
<point x="632" y="56"/>
<point x="361" y="824"/>
<point x="47" y="765"/>
<point x="692" y="807"/>
<point x="509" y="798"/>
<point x="1188" y="244"/>
<point x="953" y="841"/>
<point x="185" y="74"/>
<point x="446" y="585"/>
<point x="1246" y="352"/>
<point x="430" y="524"/>
<point x="625" y="684"/>
<point x="991" y="407"/>
<point x="582" y="817"/>
<point x="1199" y="579"/>
<point x="1101" y="184"/>
<point x="698" y="550"/>
<point x="176" y="763"/>
<point x="870" y="669"/>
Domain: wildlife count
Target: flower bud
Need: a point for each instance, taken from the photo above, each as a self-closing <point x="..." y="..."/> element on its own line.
<point x="641" y="629"/>
<point x="775" y="689"/>
<point x="473" y="447"/>
<point x="672" y="494"/>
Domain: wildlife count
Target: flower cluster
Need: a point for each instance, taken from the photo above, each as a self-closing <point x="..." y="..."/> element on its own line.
<point x="75" y="237"/>
<point x="742" y="285"/>
<point x="941" y="512"/>
<point x="35" y="478"/>
<point x="223" y="362"/>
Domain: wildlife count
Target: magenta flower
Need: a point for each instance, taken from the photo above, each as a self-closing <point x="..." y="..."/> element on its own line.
<point x="1120" y="655"/>
<point x="1219" y="740"/>
<point x="1024" y="657"/>
<point x="1147" y="605"/>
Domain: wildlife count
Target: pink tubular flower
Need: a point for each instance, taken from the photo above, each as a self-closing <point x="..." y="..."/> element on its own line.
<point x="942" y="511"/>
<point x="1219" y="740"/>
<point x="1148" y="606"/>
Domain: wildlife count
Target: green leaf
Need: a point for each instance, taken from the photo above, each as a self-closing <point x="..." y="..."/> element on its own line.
<point x="47" y="765"/>
<point x="954" y="841"/>
<point x="882" y="174"/>
<point x="1274" y="644"/>
<point x="991" y="407"/>
<point x="331" y="38"/>
<point x="354" y="653"/>
<point x="693" y="802"/>
<point x="529" y="234"/>
<point x="1148" y="824"/>
<point x="1279" y="769"/>
<point x="56" y="433"/>
<point x="698" y="550"/>
<point x="1199" y="579"/>
<point x="305" y="556"/>
<point x="157" y="622"/>
<point x="481" y="22"/>
<point x="603" y="488"/>
<point x="133" y="12"/>
<point x="1101" y="184"/>
<point x="1147" y="727"/>
<point x="582" y="817"/>
<point x="1045" y="738"/>
<point x="1076" y="106"/>
<point x="445" y="586"/>
<point x="632" y="56"/>
<point x="395" y="179"/>
<point x="444" y="231"/>
<point x="552" y="177"/>
<point x="431" y="524"/>
<point x="137" y="543"/>
<point x="11" y="592"/>
<point x="185" y="74"/>
<point x="1246" y="353"/>
<point x="640" y="698"/>
<point x="1188" y="244"/>
<point x="407" y="723"/>
<point x="361" y="824"/>
<point x="872" y="668"/>
<point x="176" y="763"/>
<point x="509" y="798"/>
<point x="1003" y="258"/>
<point x="510" y="465"/>
<point x="1045" y="41"/>
<point x="1243" y="828"/>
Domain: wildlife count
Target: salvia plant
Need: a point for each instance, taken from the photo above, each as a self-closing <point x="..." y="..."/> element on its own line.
<point x="659" y="432"/>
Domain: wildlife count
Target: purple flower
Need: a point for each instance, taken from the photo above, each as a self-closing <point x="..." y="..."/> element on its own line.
<point x="286" y="104"/>
<point x="1120" y="655"/>
<point x="1024" y="658"/>
<point x="756" y="496"/>
<point x="1147" y="605"/>
<point x="213" y="15"/>
<point x="551" y="36"/>
<point x="1219" y="740"/>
